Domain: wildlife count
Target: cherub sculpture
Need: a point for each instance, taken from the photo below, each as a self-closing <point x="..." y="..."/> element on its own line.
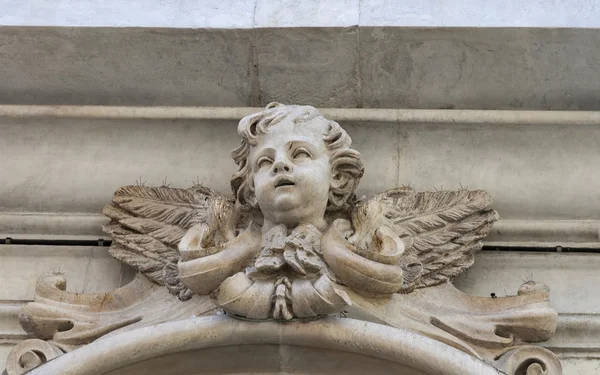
<point x="296" y="244"/>
<point x="295" y="239"/>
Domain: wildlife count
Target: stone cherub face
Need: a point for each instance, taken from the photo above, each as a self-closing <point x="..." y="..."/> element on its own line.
<point x="294" y="164"/>
<point x="291" y="173"/>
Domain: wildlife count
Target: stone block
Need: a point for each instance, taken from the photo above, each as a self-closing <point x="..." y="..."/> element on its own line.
<point x="104" y="272"/>
<point x="10" y="330"/>
<point x="479" y="68"/>
<point x="5" y="348"/>
<point x="581" y="366"/>
<point x="377" y="144"/>
<point x="286" y="57"/>
<point x="529" y="170"/>
<point x="76" y="165"/>
<point x="124" y="66"/>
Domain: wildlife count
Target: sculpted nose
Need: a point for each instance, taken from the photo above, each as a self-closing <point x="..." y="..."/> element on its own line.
<point x="281" y="166"/>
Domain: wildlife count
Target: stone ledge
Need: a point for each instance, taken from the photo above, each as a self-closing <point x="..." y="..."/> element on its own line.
<point x="354" y="115"/>
<point x="505" y="233"/>
<point x="576" y="336"/>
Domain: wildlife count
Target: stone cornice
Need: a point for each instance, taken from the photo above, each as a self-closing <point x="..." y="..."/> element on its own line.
<point x="381" y="115"/>
<point x="576" y="336"/>
<point x="506" y="233"/>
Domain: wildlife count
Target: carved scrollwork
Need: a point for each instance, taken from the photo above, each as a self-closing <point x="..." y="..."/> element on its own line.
<point x="74" y="319"/>
<point x="529" y="360"/>
<point x="30" y="354"/>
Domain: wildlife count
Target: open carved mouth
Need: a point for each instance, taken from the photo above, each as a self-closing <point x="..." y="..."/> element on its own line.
<point x="284" y="181"/>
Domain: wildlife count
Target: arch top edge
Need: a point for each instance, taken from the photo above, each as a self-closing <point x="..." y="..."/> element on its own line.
<point x="356" y="337"/>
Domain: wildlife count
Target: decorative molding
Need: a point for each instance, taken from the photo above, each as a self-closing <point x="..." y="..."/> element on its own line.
<point x="42" y="225"/>
<point x="395" y="116"/>
<point x="347" y="335"/>
<point x="576" y="334"/>
<point x="505" y="233"/>
<point x="10" y="330"/>
<point x="30" y="354"/>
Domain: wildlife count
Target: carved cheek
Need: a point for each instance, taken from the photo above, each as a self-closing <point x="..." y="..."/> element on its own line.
<point x="259" y="184"/>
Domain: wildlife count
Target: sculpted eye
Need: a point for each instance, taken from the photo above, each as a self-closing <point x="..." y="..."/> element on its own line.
<point x="301" y="153"/>
<point x="264" y="162"/>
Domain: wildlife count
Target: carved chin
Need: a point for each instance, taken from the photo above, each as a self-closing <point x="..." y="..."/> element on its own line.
<point x="284" y="199"/>
<point x="288" y="217"/>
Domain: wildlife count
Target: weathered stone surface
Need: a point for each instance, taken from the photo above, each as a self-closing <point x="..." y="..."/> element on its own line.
<point x="89" y="269"/>
<point x="286" y="57"/>
<point x="354" y="347"/>
<point x="581" y="366"/>
<point x="4" y="351"/>
<point x="108" y="66"/>
<point x="73" y="167"/>
<point x="479" y="68"/>
<point x="373" y="67"/>
<point x="518" y="165"/>
<point x="230" y="14"/>
<point x="378" y="144"/>
<point x="567" y="275"/>
<point x="29" y="354"/>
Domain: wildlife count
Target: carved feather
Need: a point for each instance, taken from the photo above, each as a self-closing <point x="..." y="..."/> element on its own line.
<point x="148" y="223"/>
<point x="179" y="207"/>
<point x="440" y="230"/>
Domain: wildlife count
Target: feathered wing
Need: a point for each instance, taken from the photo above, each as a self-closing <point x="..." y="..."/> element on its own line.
<point x="147" y="224"/>
<point x="441" y="230"/>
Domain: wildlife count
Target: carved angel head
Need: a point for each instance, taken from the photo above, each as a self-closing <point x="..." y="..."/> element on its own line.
<point x="294" y="164"/>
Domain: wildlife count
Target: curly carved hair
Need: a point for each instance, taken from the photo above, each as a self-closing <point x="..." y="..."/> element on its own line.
<point x="346" y="164"/>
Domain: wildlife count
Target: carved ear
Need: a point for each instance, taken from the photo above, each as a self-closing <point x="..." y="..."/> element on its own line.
<point x="250" y="196"/>
<point x="337" y="193"/>
<point x="346" y="171"/>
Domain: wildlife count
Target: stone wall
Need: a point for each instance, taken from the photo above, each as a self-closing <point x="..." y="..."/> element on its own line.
<point x="64" y="168"/>
<point x="58" y="171"/>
